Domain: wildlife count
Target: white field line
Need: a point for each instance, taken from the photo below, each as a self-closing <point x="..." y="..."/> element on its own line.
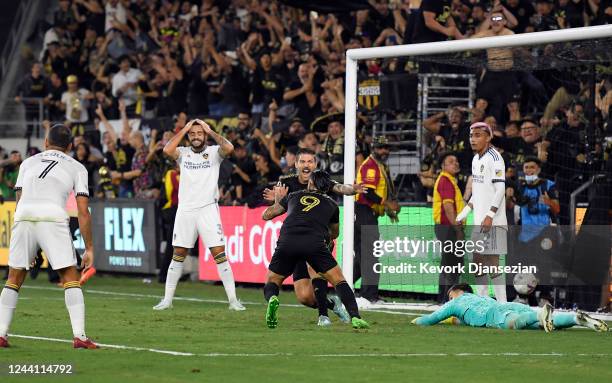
<point x="362" y="355"/>
<point x="191" y="299"/>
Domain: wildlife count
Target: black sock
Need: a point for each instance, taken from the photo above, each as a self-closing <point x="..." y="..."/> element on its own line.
<point x="320" y="292"/>
<point x="348" y="299"/>
<point x="270" y="290"/>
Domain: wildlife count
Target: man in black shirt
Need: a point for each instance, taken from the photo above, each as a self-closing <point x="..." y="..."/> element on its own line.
<point x="311" y="292"/>
<point x="312" y="223"/>
<point x="33" y="85"/>
<point x="522" y="10"/>
<point x="435" y="23"/>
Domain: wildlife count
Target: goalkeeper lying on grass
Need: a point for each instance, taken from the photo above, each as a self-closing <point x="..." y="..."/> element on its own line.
<point x="466" y="308"/>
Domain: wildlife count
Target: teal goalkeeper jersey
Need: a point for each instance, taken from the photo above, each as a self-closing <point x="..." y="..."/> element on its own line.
<point x="468" y="308"/>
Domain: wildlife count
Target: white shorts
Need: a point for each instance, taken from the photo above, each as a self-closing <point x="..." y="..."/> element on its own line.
<point x="53" y="238"/>
<point x="205" y="222"/>
<point x="495" y="241"/>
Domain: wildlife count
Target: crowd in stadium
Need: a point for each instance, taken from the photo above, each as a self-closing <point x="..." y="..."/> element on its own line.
<point x="270" y="78"/>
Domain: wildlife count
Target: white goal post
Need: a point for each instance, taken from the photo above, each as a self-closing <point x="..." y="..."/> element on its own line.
<point x="350" y="110"/>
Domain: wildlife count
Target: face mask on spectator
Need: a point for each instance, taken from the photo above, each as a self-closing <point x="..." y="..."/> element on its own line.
<point x="531" y="178"/>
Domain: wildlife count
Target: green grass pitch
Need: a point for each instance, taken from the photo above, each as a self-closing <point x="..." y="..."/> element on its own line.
<point x="224" y="346"/>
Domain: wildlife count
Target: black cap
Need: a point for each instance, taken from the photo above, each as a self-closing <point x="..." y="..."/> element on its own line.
<point x="380" y="142"/>
<point x="321" y="123"/>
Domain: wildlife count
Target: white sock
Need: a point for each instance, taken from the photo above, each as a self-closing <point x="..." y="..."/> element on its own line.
<point x="482" y="285"/>
<point x="175" y="272"/>
<point x="227" y="277"/>
<point x="499" y="287"/>
<point x="75" y="303"/>
<point x="8" y="302"/>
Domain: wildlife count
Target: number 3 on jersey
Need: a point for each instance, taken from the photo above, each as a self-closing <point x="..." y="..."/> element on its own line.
<point x="51" y="165"/>
<point x="309" y="202"/>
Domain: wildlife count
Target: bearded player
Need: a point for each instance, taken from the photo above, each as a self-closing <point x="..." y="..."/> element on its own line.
<point x="198" y="211"/>
<point x="43" y="185"/>
<point x="310" y="288"/>
<point x="312" y="221"/>
<point x="489" y="203"/>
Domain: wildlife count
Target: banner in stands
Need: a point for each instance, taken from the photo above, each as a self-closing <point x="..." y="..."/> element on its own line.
<point x="124" y="232"/>
<point x="7" y="212"/>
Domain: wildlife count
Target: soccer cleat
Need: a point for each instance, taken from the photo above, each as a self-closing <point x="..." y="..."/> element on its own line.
<point x="545" y="318"/>
<point x="583" y="319"/>
<point x="272" y="312"/>
<point x="163" y="305"/>
<point x="339" y="309"/>
<point x="4" y="342"/>
<point x="87" y="344"/>
<point x="86" y="275"/>
<point x="359" y="323"/>
<point x="235" y="305"/>
<point x="324" y="321"/>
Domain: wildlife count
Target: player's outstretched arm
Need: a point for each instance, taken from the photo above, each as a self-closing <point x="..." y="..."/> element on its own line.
<point x="85" y="228"/>
<point x="278" y="208"/>
<point x="225" y="147"/>
<point x="441" y="314"/>
<point x="170" y="148"/>
<point x="346" y="189"/>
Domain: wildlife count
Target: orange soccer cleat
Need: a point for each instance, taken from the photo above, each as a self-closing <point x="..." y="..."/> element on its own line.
<point x="87" y="343"/>
<point x="86" y="275"/>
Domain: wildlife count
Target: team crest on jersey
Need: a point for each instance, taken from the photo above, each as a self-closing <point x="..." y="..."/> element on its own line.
<point x="498" y="173"/>
<point x="481" y="168"/>
<point x="205" y="155"/>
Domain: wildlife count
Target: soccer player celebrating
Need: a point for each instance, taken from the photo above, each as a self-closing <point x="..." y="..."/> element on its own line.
<point x="198" y="212"/>
<point x="312" y="221"/>
<point x="488" y="201"/>
<point x="43" y="185"/>
<point x="310" y="288"/>
<point x="466" y="308"/>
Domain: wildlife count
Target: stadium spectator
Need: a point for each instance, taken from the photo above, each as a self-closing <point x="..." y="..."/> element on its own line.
<point x="9" y="169"/>
<point x="83" y="154"/>
<point x="567" y="156"/>
<point x="124" y="84"/>
<point x="435" y="23"/>
<point x="75" y="101"/>
<point x="33" y="88"/>
<point x="243" y="171"/>
<point x="447" y="202"/>
<point x="522" y="10"/>
<point x="119" y="154"/>
<point x="332" y="147"/>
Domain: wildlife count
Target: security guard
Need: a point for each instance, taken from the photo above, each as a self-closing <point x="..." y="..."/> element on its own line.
<point x="447" y="203"/>
<point x="379" y="199"/>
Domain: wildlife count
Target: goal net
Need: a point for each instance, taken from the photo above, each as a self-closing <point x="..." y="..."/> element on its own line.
<point x="532" y="89"/>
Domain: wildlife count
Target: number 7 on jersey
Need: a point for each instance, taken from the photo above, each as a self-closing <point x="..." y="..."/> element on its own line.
<point x="51" y="165"/>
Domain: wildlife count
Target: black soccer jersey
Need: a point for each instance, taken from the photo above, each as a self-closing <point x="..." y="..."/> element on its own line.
<point x="309" y="214"/>
<point x="293" y="183"/>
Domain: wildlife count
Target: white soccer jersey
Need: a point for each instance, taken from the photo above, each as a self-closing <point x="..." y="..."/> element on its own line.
<point x="198" y="185"/>
<point x="486" y="171"/>
<point x="45" y="181"/>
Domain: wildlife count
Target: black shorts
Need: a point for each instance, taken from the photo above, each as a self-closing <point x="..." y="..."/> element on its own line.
<point x="291" y="252"/>
<point x="300" y="271"/>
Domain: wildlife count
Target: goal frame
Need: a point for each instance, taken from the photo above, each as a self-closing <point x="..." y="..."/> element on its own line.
<point x="353" y="56"/>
